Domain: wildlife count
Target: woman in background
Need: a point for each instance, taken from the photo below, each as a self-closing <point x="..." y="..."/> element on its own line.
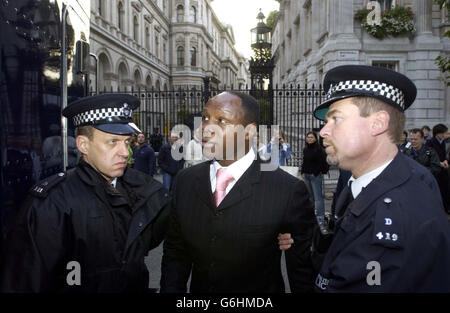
<point x="313" y="167"/>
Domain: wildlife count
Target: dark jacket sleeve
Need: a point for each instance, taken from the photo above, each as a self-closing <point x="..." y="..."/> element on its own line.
<point x="176" y="262"/>
<point x="34" y="248"/>
<point x="302" y="168"/>
<point x="151" y="161"/>
<point x="301" y="220"/>
<point x="435" y="164"/>
<point x="163" y="159"/>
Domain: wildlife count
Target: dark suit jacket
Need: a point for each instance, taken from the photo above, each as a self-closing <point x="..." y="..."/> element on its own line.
<point x="234" y="248"/>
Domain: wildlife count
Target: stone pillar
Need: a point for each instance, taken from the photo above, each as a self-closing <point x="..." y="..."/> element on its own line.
<point x="187" y="11"/>
<point x="423" y="17"/>
<point x="187" y="53"/>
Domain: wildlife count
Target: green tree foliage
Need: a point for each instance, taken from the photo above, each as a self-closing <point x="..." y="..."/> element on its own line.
<point x="442" y="61"/>
<point x="271" y="19"/>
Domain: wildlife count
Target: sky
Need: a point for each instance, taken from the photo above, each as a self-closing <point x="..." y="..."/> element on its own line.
<point x="241" y="14"/>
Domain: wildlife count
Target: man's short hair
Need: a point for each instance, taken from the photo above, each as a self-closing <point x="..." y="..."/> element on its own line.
<point x="87" y="131"/>
<point x="417" y="130"/>
<point x="370" y="105"/>
<point x="439" y="129"/>
<point x="250" y="107"/>
<point x="426" y="127"/>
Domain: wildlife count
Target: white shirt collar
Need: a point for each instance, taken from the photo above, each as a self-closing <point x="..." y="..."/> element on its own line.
<point x="114" y="182"/>
<point x="361" y="182"/>
<point x="237" y="169"/>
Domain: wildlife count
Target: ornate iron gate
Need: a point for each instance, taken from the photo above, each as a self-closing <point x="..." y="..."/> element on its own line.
<point x="290" y="108"/>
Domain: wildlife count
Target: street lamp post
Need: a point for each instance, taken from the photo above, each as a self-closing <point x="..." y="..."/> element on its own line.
<point x="261" y="66"/>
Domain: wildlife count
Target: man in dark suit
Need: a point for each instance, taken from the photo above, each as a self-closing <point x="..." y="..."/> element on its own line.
<point x="226" y="213"/>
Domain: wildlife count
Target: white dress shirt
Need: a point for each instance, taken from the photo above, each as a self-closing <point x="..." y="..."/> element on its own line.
<point x="237" y="169"/>
<point x="361" y="182"/>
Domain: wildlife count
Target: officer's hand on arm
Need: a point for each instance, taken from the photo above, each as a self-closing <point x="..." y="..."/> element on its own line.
<point x="285" y="241"/>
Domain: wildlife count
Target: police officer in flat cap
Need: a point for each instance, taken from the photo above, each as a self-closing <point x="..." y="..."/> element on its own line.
<point x="88" y="230"/>
<point x="390" y="230"/>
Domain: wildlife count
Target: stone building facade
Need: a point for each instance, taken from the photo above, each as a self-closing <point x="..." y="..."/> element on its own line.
<point x="162" y="44"/>
<point x="311" y="37"/>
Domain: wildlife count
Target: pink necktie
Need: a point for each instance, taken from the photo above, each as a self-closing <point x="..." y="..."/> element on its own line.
<point x="223" y="178"/>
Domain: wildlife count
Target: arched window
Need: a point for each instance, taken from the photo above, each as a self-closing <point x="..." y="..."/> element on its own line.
<point x="137" y="80"/>
<point x="135" y="28"/>
<point x="148" y="82"/>
<point x="193" y="57"/>
<point x="193" y="14"/>
<point x="120" y="14"/>
<point x="147" y="38"/>
<point x="180" y="14"/>
<point x="180" y="56"/>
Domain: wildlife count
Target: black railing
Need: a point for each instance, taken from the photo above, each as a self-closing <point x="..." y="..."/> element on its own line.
<point x="290" y="108"/>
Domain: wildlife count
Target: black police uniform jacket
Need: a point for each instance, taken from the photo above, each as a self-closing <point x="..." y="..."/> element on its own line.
<point x="398" y="222"/>
<point x="234" y="247"/>
<point x="80" y="217"/>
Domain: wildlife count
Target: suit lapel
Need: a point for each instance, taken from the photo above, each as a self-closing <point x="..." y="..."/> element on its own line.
<point x="203" y="184"/>
<point x="243" y="187"/>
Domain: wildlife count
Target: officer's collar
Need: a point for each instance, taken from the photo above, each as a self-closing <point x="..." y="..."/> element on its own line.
<point x="89" y="175"/>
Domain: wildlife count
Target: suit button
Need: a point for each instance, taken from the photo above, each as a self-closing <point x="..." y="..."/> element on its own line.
<point x="213" y="238"/>
<point x="124" y="261"/>
<point x="212" y="264"/>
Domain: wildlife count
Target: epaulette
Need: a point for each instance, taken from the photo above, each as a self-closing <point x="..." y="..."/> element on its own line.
<point x="388" y="225"/>
<point x="42" y="188"/>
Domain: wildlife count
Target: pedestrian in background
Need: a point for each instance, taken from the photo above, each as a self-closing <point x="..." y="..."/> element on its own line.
<point x="284" y="148"/>
<point x="194" y="150"/>
<point x="156" y="140"/>
<point x="426" y="134"/>
<point x="313" y="168"/>
<point x="144" y="156"/>
<point x="404" y="143"/>
<point x="425" y="155"/>
<point x="442" y="177"/>
<point x="169" y="166"/>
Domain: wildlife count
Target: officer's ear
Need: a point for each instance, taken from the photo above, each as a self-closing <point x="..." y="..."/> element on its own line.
<point x="83" y="144"/>
<point x="379" y="123"/>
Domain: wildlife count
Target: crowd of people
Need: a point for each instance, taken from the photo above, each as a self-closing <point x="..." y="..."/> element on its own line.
<point x="433" y="152"/>
<point x="224" y="220"/>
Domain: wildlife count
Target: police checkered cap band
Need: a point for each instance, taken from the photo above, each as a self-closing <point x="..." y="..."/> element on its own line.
<point x="96" y="116"/>
<point x="377" y="88"/>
